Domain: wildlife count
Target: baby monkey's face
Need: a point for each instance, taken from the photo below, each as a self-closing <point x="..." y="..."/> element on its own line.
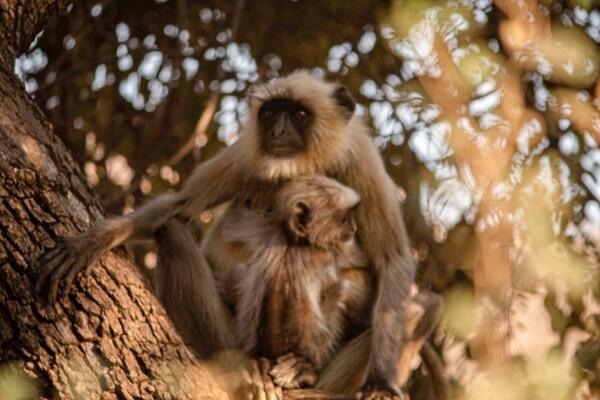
<point x="319" y="210"/>
<point x="334" y="228"/>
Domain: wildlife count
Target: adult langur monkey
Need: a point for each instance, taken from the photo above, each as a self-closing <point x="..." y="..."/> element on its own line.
<point x="298" y="125"/>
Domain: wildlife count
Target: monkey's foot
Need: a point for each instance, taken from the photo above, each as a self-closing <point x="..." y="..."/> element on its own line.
<point x="259" y="384"/>
<point x="292" y="372"/>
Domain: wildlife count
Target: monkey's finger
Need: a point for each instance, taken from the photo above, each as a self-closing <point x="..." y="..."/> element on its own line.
<point x="270" y="391"/>
<point x="284" y="381"/>
<point x="304" y="368"/>
<point x="279" y="393"/>
<point x="293" y="372"/>
<point x="244" y="390"/>
<point x="284" y="378"/>
<point x="57" y="277"/>
<point x="284" y="368"/>
<point x="306" y="378"/>
<point x="286" y="357"/>
<point x="301" y="376"/>
<point x="258" y="392"/>
<point x="288" y="364"/>
<point x="48" y="264"/>
<point x="264" y="367"/>
<point x="79" y="266"/>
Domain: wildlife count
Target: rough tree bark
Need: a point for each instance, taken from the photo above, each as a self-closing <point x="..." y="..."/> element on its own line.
<point x="110" y="338"/>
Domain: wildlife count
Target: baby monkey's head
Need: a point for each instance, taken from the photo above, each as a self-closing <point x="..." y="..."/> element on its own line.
<point x="318" y="210"/>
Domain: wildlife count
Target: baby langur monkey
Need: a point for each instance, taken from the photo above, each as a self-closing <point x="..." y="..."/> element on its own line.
<point x="294" y="297"/>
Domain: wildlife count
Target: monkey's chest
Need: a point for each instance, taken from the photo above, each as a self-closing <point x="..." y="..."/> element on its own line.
<point x="257" y="195"/>
<point x="296" y="317"/>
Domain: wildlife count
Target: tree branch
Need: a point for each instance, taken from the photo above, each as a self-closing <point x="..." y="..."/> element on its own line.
<point x="313" y="394"/>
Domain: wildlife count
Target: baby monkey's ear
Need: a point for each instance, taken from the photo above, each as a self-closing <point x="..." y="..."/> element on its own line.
<point x="299" y="219"/>
<point x="344" y="99"/>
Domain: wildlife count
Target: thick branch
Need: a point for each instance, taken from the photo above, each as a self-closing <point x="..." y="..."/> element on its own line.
<point x="310" y="394"/>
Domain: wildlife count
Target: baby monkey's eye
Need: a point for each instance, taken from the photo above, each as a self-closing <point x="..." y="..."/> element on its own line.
<point x="268" y="114"/>
<point x="347" y="218"/>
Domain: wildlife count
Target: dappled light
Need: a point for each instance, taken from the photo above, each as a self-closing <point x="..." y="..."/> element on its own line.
<point x="524" y="199"/>
<point x="487" y="114"/>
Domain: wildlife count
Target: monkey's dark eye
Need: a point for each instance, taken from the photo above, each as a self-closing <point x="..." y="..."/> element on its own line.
<point x="300" y="114"/>
<point x="348" y="218"/>
<point x="268" y="114"/>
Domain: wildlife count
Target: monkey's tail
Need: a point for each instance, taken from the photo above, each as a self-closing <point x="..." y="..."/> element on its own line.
<point x="435" y="370"/>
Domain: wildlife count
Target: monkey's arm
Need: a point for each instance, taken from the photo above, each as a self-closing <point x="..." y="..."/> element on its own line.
<point x="383" y="236"/>
<point x="187" y="289"/>
<point x="212" y="182"/>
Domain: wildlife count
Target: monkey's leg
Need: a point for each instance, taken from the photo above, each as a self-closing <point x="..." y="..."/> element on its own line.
<point x="187" y="289"/>
<point x="292" y="372"/>
<point x="432" y="305"/>
<point x="259" y="385"/>
<point x="347" y="372"/>
<point x="435" y="371"/>
<point x="422" y="315"/>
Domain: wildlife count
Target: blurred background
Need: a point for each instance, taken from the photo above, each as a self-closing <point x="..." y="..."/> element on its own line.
<point x="487" y="114"/>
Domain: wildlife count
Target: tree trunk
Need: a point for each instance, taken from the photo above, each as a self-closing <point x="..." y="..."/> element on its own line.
<point x="110" y="338"/>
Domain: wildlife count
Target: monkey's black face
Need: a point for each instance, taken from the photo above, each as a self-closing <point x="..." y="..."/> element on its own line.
<point x="284" y="126"/>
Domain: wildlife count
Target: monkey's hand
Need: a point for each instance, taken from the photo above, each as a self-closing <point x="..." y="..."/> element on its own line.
<point x="259" y="385"/>
<point x="293" y="372"/>
<point x="64" y="262"/>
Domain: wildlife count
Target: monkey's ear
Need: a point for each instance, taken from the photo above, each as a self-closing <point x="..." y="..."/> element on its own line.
<point x="345" y="100"/>
<point x="300" y="219"/>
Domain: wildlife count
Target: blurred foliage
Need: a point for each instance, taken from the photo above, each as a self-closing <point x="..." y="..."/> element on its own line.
<point x="15" y="384"/>
<point x="487" y="114"/>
